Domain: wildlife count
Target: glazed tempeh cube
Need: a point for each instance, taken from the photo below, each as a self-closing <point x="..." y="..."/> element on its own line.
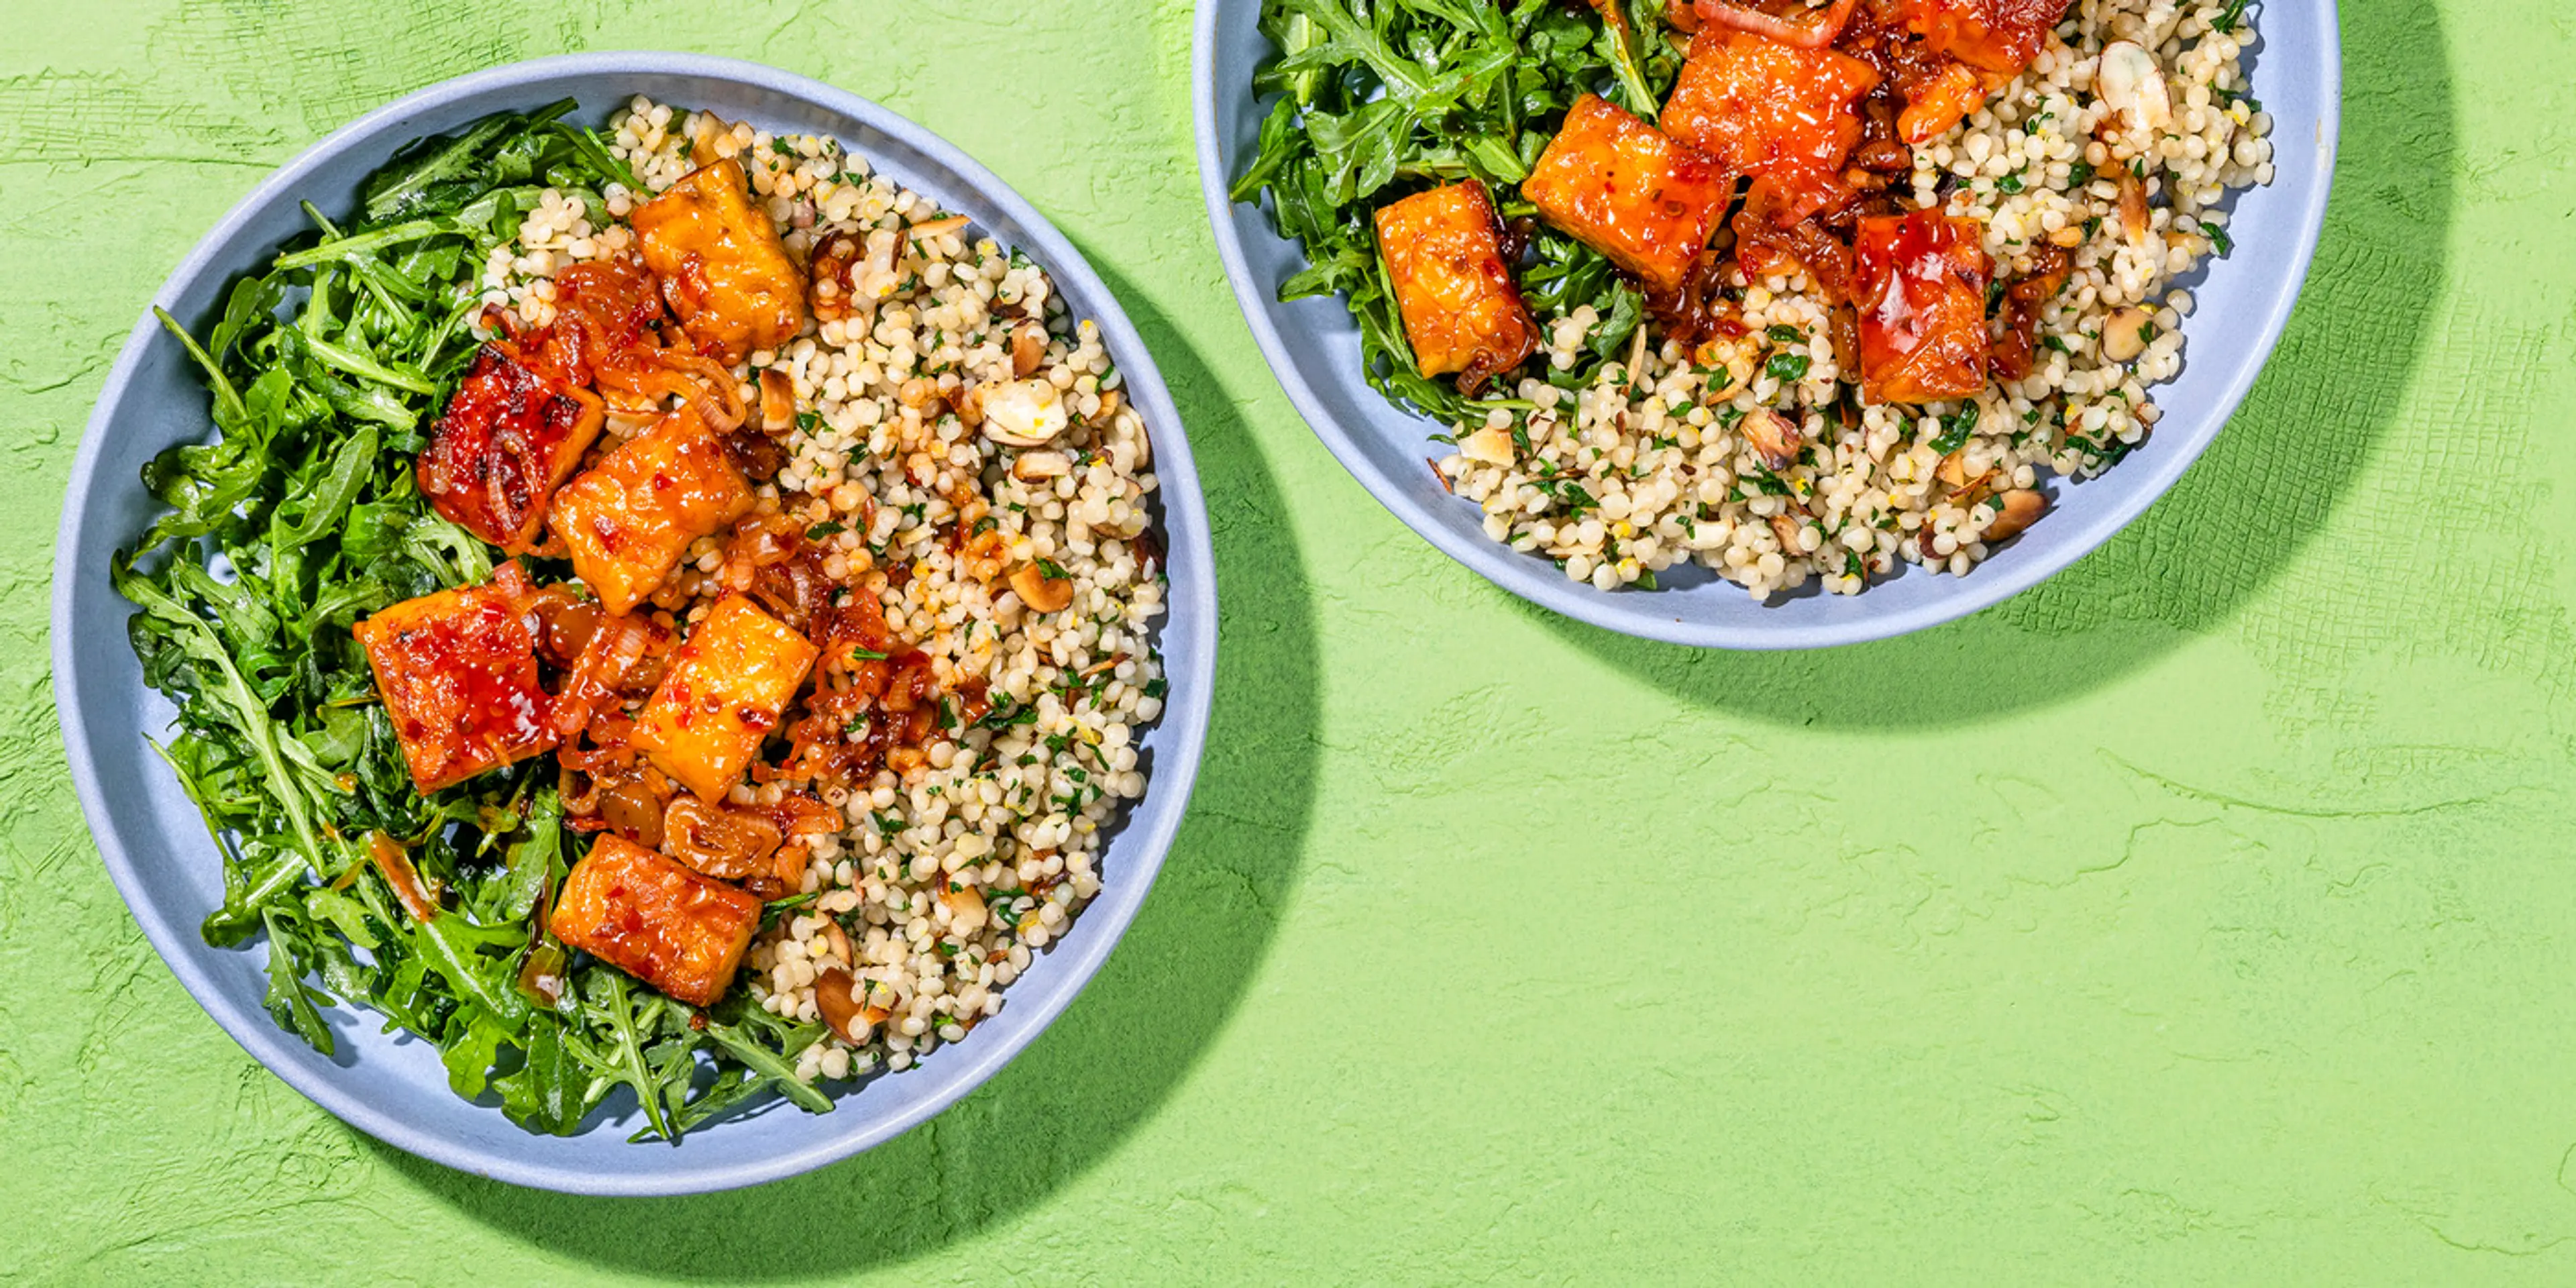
<point x="505" y="443"/>
<point x="653" y="918"/>
<point x="729" y="683"/>
<point x="627" y="520"/>
<point x="1921" y="297"/>
<point x="1462" y="312"/>
<point x="1760" y="107"/>
<point x="458" y="674"/>
<point x="721" y="265"/>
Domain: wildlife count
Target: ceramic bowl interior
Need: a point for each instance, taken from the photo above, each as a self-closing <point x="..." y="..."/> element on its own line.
<point x="165" y="865"/>
<point x="2243" y="300"/>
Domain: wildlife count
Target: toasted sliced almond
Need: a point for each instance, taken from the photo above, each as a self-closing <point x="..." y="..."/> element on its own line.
<point x="630" y="422"/>
<point x="2125" y="336"/>
<point x="966" y="914"/>
<point x="2132" y="85"/>
<point x="1033" y="466"/>
<point x="1028" y="349"/>
<point x="1787" y="528"/>
<point x="1487" y="446"/>
<point x="1023" y="413"/>
<point x="1039" y="591"/>
<point x="777" y="401"/>
<point x="2133" y="207"/>
<point x="1954" y="468"/>
<point x="2014" y="511"/>
<point x="934" y="227"/>
<point x="1772" y="436"/>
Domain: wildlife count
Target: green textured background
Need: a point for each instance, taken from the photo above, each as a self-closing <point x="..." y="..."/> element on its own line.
<point x="2202" y="915"/>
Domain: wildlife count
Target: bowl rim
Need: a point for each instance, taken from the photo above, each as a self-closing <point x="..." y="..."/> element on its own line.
<point x="1190" y="612"/>
<point x="1522" y="575"/>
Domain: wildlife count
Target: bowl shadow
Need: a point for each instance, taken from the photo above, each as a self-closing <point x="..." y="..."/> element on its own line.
<point x="2242" y="514"/>
<point x="1116" y="1054"/>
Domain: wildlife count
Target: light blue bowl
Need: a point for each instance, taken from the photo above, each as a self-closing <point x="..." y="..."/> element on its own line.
<point x="165" y="865"/>
<point x="2245" y="299"/>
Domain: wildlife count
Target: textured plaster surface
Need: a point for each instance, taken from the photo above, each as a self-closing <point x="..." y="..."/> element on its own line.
<point x="2202" y="915"/>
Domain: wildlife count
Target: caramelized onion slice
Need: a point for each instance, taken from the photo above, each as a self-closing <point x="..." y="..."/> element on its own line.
<point x="1813" y="33"/>
<point x="729" y="845"/>
<point x="395" y="862"/>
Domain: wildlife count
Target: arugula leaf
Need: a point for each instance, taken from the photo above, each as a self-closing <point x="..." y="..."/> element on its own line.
<point x="1956" y="429"/>
<point x="299" y="515"/>
<point x="1381" y="98"/>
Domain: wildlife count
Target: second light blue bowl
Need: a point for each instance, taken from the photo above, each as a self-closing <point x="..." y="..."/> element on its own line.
<point x="1313" y="347"/>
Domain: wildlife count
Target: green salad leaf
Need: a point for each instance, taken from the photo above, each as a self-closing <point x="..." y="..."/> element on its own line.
<point x="1376" y="99"/>
<point x="295" y="519"/>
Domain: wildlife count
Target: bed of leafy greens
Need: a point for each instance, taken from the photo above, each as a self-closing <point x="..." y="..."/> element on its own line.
<point x="1381" y="98"/>
<point x="300" y="516"/>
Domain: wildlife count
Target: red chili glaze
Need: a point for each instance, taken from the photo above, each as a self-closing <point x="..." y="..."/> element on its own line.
<point x="2025" y="304"/>
<point x="1999" y="36"/>
<point x="1770" y="235"/>
<point x="607" y="320"/>
<point x="458" y="674"/>
<point x="1921" y="295"/>
<point x="509" y="436"/>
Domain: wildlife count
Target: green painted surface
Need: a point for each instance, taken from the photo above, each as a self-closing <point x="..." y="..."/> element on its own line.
<point x="2203" y="915"/>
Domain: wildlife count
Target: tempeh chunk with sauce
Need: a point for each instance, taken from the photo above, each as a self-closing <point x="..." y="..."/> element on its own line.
<point x="458" y="674"/>
<point x="653" y="918"/>
<point x="1760" y="107"/>
<point x="1625" y="189"/>
<point x="721" y="265"/>
<point x="627" y="519"/>
<point x="728" y="685"/>
<point x="1921" y="297"/>
<point x="507" y="440"/>
<point x="1444" y="256"/>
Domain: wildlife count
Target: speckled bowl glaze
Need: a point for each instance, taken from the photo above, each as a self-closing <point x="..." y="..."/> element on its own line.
<point x="157" y="849"/>
<point x="2243" y="300"/>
